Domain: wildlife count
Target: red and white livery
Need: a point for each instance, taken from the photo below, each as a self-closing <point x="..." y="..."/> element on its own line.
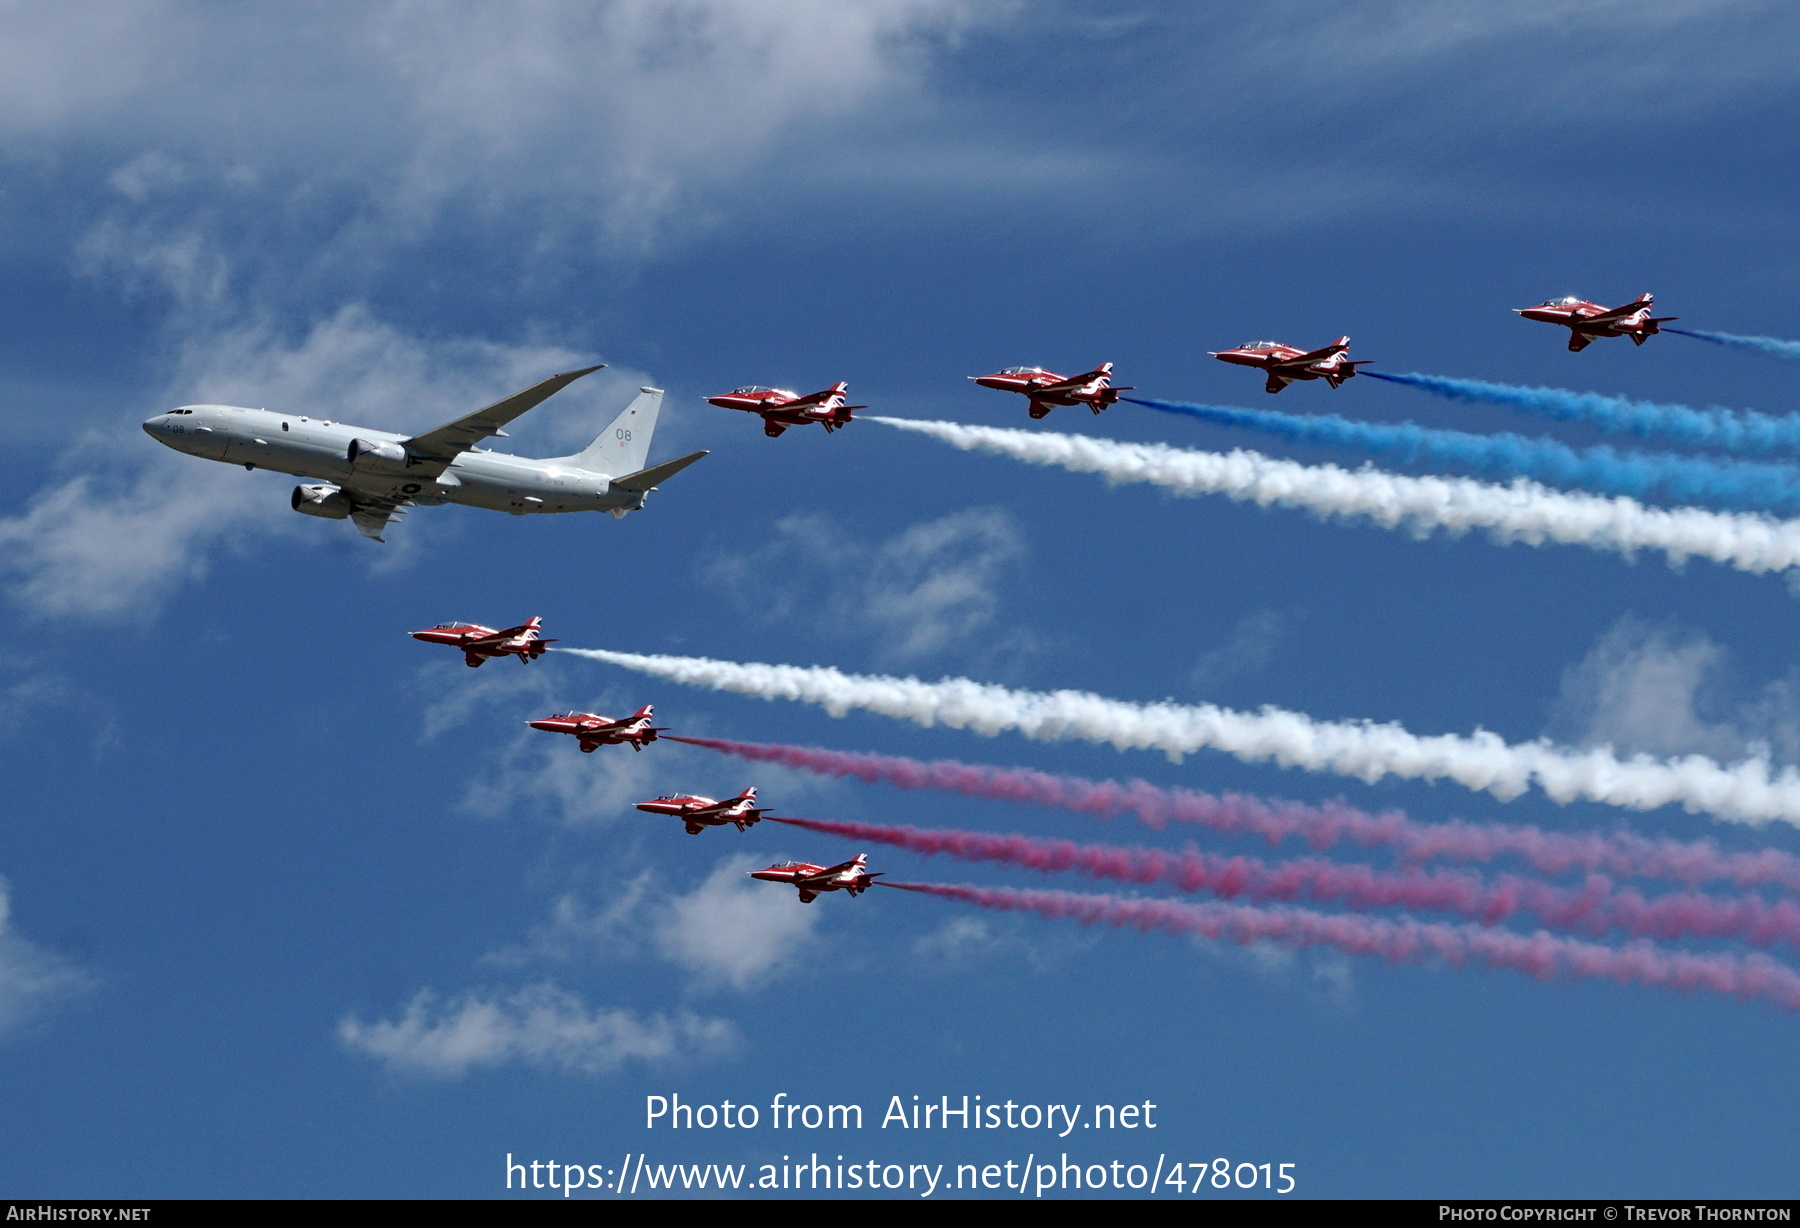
<point x="1047" y="389"/>
<point x="1586" y="320"/>
<point x="702" y="812"/>
<point x="478" y="643"/>
<point x="595" y="731"/>
<point x="1286" y="363"/>
<point x="781" y="408"/>
<point x="814" y="880"/>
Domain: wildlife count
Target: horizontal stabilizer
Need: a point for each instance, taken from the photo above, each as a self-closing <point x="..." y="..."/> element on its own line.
<point x="644" y="479"/>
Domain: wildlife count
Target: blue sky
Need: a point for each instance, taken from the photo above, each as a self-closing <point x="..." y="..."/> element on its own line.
<point x="255" y="831"/>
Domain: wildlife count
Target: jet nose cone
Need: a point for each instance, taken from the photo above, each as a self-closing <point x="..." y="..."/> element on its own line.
<point x="157" y="427"/>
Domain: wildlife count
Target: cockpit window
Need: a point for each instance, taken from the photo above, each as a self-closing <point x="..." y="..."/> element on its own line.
<point x="1023" y="371"/>
<point x="1263" y="345"/>
<point x="750" y="391"/>
<point x="1567" y="300"/>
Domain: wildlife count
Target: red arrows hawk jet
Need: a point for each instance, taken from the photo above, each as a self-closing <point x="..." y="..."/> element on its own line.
<point x="813" y="880"/>
<point x="1285" y="364"/>
<point x="1047" y="389"/>
<point x="1586" y="320"/>
<point x="781" y="408"/>
<point x="478" y="643"/>
<point x="595" y="731"/>
<point x="701" y="812"/>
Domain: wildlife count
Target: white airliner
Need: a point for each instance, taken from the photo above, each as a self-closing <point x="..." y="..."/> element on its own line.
<point x="371" y="476"/>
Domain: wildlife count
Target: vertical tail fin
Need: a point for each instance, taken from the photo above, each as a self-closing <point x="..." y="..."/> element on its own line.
<point x="623" y="445"/>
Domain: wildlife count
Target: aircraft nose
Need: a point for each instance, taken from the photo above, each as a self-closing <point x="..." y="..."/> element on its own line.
<point x="157" y="427"/>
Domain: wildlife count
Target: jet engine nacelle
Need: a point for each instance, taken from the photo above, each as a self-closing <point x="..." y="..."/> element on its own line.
<point x="326" y="501"/>
<point x="377" y="455"/>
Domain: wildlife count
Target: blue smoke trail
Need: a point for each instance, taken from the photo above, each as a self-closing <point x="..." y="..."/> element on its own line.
<point x="1732" y="484"/>
<point x="1733" y="430"/>
<point x="1763" y="345"/>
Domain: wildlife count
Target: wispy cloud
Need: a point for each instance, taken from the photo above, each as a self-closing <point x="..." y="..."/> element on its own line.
<point x="32" y="980"/>
<point x="931" y="589"/>
<point x="596" y="118"/>
<point x="729" y="931"/>
<point x="1661" y="689"/>
<point x="540" y="1025"/>
<point x="1251" y="647"/>
<point x="733" y="929"/>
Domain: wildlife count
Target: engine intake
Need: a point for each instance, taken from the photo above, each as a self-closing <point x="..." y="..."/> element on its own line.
<point x="327" y="501"/>
<point x="374" y="454"/>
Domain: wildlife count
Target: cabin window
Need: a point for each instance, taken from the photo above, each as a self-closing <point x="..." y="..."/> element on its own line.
<point x="284" y="426"/>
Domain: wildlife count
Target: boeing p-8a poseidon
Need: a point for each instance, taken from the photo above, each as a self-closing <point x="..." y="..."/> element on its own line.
<point x="371" y="476"/>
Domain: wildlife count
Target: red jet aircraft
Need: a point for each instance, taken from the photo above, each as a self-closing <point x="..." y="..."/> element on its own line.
<point x="595" y="731"/>
<point x="699" y="812"/>
<point x="1586" y="320"/>
<point x="478" y="643"/>
<point x="1285" y="364"/>
<point x="781" y="408"/>
<point x="813" y="880"/>
<point x="1047" y="389"/>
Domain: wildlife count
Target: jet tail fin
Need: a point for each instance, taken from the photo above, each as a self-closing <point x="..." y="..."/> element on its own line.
<point x="625" y="443"/>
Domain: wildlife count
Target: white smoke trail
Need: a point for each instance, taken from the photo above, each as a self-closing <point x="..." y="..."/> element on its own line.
<point x="1523" y="511"/>
<point x="1745" y="792"/>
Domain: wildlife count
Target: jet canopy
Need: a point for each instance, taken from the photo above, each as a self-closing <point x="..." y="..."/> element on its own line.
<point x="1263" y="345"/>
<point x="1567" y="300"/>
<point x="1022" y="371"/>
<point x="752" y="390"/>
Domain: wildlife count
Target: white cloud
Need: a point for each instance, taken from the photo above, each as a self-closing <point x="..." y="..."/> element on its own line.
<point x="540" y="1025"/>
<point x="729" y="931"/>
<point x="733" y="929"/>
<point x="138" y="520"/>
<point x="928" y="590"/>
<point x="1249" y="650"/>
<point x="601" y="114"/>
<point x="630" y="100"/>
<point x="617" y="929"/>
<point x="31" y="978"/>
<point x="1665" y="690"/>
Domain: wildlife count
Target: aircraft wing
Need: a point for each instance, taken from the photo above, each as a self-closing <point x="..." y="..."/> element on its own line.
<point x="500" y="637"/>
<point x="447" y="442"/>
<point x="371" y="516"/>
<point x="1312" y="356"/>
<point x="1619" y="313"/>
<point x="827" y="874"/>
<point x="1070" y="384"/>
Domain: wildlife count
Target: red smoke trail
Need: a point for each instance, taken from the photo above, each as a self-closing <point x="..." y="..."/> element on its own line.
<point x="1404" y="941"/>
<point x="1320" y="826"/>
<point x="1594" y="908"/>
